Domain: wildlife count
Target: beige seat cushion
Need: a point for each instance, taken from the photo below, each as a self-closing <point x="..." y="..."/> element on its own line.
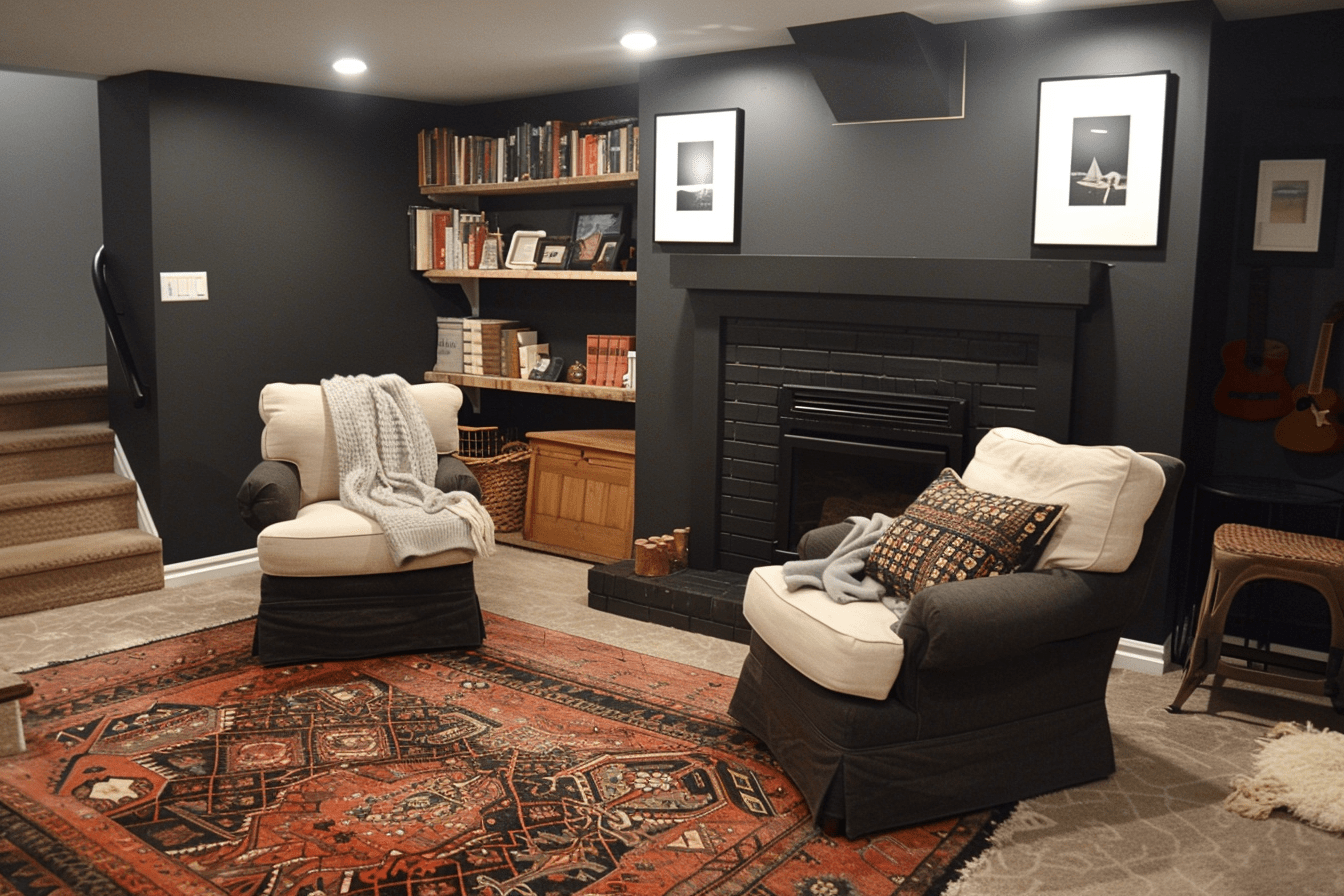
<point x="848" y="648"/>
<point x="298" y="430"/>
<point x="1110" y="491"/>
<point x="327" y="539"/>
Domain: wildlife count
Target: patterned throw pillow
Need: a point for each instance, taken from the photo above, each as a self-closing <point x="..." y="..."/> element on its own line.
<point x="953" y="532"/>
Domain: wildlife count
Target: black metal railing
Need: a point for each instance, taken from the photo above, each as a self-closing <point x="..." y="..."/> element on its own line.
<point x="139" y="394"/>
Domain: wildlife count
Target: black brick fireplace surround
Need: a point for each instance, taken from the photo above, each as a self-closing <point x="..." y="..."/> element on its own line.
<point x="997" y="333"/>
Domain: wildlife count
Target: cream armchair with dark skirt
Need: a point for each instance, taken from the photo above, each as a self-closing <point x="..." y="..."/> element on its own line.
<point x="330" y="586"/>
<point x="987" y="690"/>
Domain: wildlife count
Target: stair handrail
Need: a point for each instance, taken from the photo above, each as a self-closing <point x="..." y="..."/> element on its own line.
<point x="139" y="394"/>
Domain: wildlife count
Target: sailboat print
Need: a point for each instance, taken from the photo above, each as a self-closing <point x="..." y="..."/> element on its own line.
<point x="1113" y="180"/>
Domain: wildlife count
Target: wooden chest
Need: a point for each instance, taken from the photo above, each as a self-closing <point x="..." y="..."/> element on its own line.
<point x="581" y="491"/>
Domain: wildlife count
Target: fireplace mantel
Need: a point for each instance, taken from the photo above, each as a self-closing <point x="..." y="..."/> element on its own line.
<point x="1001" y="280"/>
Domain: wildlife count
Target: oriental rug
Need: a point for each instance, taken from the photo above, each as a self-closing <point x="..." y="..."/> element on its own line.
<point x="540" y="764"/>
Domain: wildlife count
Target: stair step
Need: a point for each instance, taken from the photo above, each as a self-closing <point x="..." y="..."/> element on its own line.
<point x="71" y="571"/>
<point x="55" y="397"/>
<point x="54" y="451"/>
<point x="46" y="509"/>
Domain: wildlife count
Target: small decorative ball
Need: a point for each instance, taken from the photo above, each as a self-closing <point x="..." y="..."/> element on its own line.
<point x="576" y="373"/>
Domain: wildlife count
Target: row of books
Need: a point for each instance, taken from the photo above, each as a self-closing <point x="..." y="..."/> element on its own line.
<point x="609" y="360"/>
<point x="529" y="151"/>
<point x="488" y="347"/>
<point x="448" y="239"/>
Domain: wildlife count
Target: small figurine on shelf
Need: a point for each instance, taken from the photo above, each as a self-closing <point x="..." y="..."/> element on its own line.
<point x="577" y="373"/>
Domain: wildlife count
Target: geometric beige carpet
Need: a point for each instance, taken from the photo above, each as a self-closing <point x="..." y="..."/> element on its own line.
<point x="1158" y="826"/>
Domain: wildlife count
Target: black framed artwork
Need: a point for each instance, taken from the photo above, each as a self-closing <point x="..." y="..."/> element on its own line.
<point x="590" y="228"/>
<point x="1101" y="160"/>
<point x="697" y="183"/>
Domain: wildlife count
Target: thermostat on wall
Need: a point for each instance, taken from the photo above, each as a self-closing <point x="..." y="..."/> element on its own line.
<point x="188" y="286"/>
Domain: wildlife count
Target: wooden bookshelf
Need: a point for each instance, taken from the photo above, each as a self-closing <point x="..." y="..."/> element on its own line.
<point x="540" y="387"/>
<point x="524" y="187"/>
<point x="509" y="274"/>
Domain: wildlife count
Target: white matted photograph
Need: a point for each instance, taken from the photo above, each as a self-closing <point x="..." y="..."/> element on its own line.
<point x="1288" y="201"/>
<point x="1100" y="148"/>
<point x="697" y="185"/>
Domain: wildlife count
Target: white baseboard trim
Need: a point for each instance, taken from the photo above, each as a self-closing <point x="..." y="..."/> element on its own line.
<point x="121" y="465"/>
<point x="1142" y="656"/>
<point x="189" y="572"/>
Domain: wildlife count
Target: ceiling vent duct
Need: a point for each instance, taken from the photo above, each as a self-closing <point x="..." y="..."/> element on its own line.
<point x="894" y="67"/>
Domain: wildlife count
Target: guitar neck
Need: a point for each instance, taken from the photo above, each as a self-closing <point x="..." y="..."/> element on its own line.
<point x="1317" y="381"/>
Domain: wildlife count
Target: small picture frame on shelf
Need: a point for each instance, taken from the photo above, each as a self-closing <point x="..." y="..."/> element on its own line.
<point x="549" y="369"/>
<point x="607" y="254"/>
<point x="490" y="254"/>
<point x="523" y="250"/>
<point x="591" y="228"/>
<point x="553" y="253"/>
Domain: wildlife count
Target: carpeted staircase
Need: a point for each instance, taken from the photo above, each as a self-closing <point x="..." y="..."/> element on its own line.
<point x="68" y="531"/>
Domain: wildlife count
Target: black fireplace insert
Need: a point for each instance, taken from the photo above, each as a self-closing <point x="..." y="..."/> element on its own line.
<point x="853" y="452"/>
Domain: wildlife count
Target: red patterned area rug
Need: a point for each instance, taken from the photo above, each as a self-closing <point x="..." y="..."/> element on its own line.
<point x="538" y="765"/>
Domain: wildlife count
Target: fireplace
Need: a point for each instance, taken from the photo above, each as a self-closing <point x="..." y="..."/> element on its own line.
<point x="987" y="342"/>
<point x="856" y="452"/>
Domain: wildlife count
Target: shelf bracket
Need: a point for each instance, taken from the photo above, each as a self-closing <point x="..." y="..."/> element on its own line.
<point x="473" y="395"/>
<point x="472" y="289"/>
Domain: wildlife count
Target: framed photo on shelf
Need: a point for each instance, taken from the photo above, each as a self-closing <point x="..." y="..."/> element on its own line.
<point x="1289" y="207"/>
<point x="697" y="183"/>
<point x="553" y="253"/>
<point x="591" y="227"/>
<point x="490" y="252"/>
<point x="523" y="250"/>
<point x="1101" y="150"/>
<point x="607" y="254"/>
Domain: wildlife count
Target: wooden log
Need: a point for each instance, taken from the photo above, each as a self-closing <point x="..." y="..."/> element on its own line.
<point x="681" y="547"/>
<point x="651" y="559"/>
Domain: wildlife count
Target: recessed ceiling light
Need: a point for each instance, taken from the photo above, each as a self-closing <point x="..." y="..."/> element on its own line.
<point x="350" y="66"/>
<point x="639" y="40"/>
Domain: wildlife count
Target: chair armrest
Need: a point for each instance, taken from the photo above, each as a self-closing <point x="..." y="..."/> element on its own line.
<point x="455" y="476"/>
<point x="270" y="494"/>
<point x="979" y="621"/>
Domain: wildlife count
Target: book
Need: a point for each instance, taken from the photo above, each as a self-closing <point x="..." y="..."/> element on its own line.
<point x="481" y="340"/>
<point x="448" y="358"/>
<point x="622" y="350"/>
<point x="630" y="370"/>
<point x="590" y="360"/>
<point x="508" y="350"/>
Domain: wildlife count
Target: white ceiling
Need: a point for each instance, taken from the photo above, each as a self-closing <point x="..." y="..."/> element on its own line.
<point x="449" y="51"/>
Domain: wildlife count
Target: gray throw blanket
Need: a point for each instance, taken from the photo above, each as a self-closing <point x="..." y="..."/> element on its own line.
<point x="840" y="574"/>
<point x="387" y="458"/>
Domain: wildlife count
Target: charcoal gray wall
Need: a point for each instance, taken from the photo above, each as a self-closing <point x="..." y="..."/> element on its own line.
<point x="50" y="221"/>
<point x="937" y="189"/>
<point x="293" y="201"/>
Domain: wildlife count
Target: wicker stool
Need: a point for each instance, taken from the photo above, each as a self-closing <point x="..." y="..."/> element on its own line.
<point x="1243" y="554"/>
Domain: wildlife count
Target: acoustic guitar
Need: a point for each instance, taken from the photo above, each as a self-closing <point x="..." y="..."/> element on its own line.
<point x="1253" y="386"/>
<point x="1312" y="426"/>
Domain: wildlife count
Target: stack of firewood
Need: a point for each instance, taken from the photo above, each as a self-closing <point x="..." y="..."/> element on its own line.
<point x="661" y="554"/>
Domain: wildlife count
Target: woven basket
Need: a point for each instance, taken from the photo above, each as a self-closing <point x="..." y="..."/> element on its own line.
<point x="503" y="480"/>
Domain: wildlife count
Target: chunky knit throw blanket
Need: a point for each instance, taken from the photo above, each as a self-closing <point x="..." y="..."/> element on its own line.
<point x="386" y="457"/>
<point x="840" y="574"/>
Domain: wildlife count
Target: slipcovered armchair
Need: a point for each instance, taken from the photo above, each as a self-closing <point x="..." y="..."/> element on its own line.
<point x="330" y="586"/>
<point x="988" y="690"/>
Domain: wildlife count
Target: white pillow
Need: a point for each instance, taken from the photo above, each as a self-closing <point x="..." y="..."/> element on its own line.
<point x="1110" y="490"/>
<point x="298" y="429"/>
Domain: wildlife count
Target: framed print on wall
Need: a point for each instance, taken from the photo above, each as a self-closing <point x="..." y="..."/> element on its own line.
<point x="1289" y="206"/>
<point x="1101" y="147"/>
<point x="697" y="184"/>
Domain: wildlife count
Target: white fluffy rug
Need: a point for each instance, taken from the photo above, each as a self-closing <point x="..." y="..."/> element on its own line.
<point x="1300" y="769"/>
